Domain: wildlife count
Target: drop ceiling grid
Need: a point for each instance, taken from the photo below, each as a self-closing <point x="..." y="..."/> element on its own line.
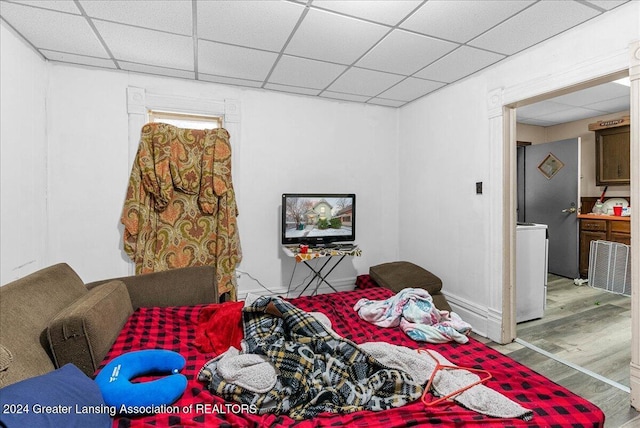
<point x="373" y="51"/>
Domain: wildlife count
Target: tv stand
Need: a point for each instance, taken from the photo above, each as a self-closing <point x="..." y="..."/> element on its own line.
<point x="335" y="254"/>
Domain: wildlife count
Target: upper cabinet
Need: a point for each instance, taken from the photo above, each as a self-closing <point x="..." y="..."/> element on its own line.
<point x="613" y="167"/>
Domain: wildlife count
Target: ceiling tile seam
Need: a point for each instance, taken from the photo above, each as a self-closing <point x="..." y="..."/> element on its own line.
<point x="228" y="77"/>
<point x="146" y="64"/>
<point x="33" y="6"/>
<point x="391" y="28"/>
<point x="296" y="86"/>
<point x="75" y="54"/>
<point x="500" y="23"/>
<point x="370" y="21"/>
<point x="592" y="6"/>
<point x="194" y="36"/>
<point x="407" y="30"/>
<point x="97" y="33"/>
<point x="349" y="67"/>
<point x="286" y="43"/>
<point x="551" y="36"/>
<point x="24" y="39"/>
<point x="460" y="78"/>
<point x="140" y="27"/>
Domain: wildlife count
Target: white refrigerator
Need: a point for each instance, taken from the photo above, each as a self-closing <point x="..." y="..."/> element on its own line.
<point x="531" y="270"/>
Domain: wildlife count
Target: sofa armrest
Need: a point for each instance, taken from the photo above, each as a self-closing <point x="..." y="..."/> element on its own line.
<point x="176" y="287"/>
<point x="84" y="331"/>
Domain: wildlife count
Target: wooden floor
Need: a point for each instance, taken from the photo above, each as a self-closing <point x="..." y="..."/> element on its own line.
<point x="588" y="330"/>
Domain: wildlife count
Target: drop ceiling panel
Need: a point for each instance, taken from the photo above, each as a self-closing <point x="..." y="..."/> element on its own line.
<point x="537" y="122"/>
<point x="460" y="22"/>
<point x="349" y="50"/>
<point x="611" y="106"/>
<point x="405" y="53"/>
<point x="305" y="72"/>
<point x="291" y="89"/>
<point x="460" y="63"/>
<point x="359" y="81"/>
<point x="385" y="12"/>
<point x="541" y="108"/>
<point x="264" y="25"/>
<point x="234" y="61"/>
<point x="539" y="22"/>
<point x="149" y="47"/>
<point x="167" y="15"/>
<point x="56" y="31"/>
<point x="334" y="38"/>
<point x="385" y="102"/>
<point x="60" y="5"/>
<point x="573" y="114"/>
<point x="345" y="97"/>
<point x="601" y="92"/>
<point x="160" y="71"/>
<point x="606" y="4"/>
<point x="229" y="80"/>
<point x="78" y="59"/>
<point x="411" y="89"/>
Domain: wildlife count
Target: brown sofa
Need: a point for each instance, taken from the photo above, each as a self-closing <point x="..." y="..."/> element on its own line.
<point x="51" y="317"/>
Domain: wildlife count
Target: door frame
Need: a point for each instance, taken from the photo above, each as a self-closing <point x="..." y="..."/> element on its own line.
<point x="502" y="104"/>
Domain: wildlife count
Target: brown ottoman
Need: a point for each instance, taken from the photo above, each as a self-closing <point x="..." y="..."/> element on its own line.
<point x="398" y="275"/>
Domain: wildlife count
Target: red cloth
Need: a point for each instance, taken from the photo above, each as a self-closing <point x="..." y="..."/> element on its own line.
<point x="219" y="327"/>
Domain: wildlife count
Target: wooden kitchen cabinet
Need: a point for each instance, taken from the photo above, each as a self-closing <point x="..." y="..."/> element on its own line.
<point x="613" y="167"/>
<point x="600" y="227"/>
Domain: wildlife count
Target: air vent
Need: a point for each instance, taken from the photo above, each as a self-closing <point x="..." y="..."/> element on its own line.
<point x="610" y="267"/>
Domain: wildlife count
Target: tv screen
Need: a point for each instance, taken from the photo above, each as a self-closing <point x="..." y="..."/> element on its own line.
<point x="318" y="218"/>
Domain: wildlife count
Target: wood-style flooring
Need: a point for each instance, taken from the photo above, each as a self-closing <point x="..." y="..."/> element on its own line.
<point x="583" y="343"/>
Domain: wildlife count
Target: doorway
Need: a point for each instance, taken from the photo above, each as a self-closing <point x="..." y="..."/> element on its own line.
<point x="509" y="127"/>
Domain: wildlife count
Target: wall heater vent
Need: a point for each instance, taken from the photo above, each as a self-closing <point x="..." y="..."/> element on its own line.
<point x="610" y="267"/>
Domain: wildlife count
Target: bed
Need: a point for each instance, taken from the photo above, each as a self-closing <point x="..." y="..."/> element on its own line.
<point x="174" y="328"/>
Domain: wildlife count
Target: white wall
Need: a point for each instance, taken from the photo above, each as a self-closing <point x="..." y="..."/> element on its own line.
<point x="446" y="146"/>
<point x="23" y="154"/>
<point x="285" y="143"/>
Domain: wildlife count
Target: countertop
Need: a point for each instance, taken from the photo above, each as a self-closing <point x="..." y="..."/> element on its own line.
<point x="604" y="217"/>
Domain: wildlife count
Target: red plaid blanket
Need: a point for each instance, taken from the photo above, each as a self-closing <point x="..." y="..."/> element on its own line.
<point x="174" y="329"/>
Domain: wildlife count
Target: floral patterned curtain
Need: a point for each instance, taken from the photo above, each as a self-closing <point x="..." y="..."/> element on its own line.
<point x="180" y="208"/>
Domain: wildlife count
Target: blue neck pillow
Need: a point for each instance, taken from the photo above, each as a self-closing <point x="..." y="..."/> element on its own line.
<point x="114" y="380"/>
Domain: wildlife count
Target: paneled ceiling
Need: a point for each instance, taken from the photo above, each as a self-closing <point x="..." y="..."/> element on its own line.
<point x="379" y="52"/>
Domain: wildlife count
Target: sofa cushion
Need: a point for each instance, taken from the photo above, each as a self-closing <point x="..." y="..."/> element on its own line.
<point x="399" y="275"/>
<point x="83" y="332"/>
<point x="26" y="306"/>
<point x="56" y="399"/>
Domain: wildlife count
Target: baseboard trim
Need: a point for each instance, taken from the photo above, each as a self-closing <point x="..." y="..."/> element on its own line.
<point x="485" y="321"/>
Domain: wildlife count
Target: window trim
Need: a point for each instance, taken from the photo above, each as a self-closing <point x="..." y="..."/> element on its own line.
<point x="156" y="115"/>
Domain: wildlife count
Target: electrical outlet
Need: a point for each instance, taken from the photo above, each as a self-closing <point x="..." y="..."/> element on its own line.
<point x="479" y="188"/>
<point x="238" y="275"/>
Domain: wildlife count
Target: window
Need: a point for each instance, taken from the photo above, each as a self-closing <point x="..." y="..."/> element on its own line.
<point x="182" y="120"/>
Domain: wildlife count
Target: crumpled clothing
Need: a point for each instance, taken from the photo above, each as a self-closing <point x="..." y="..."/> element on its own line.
<point x="252" y="372"/>
<point x="413" y="310"/>
<point x="420" y="367"/>
<point x="318" y="371"/>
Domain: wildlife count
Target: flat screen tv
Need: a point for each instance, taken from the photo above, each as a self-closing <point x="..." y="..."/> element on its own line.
<point x="318" y="219"/>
